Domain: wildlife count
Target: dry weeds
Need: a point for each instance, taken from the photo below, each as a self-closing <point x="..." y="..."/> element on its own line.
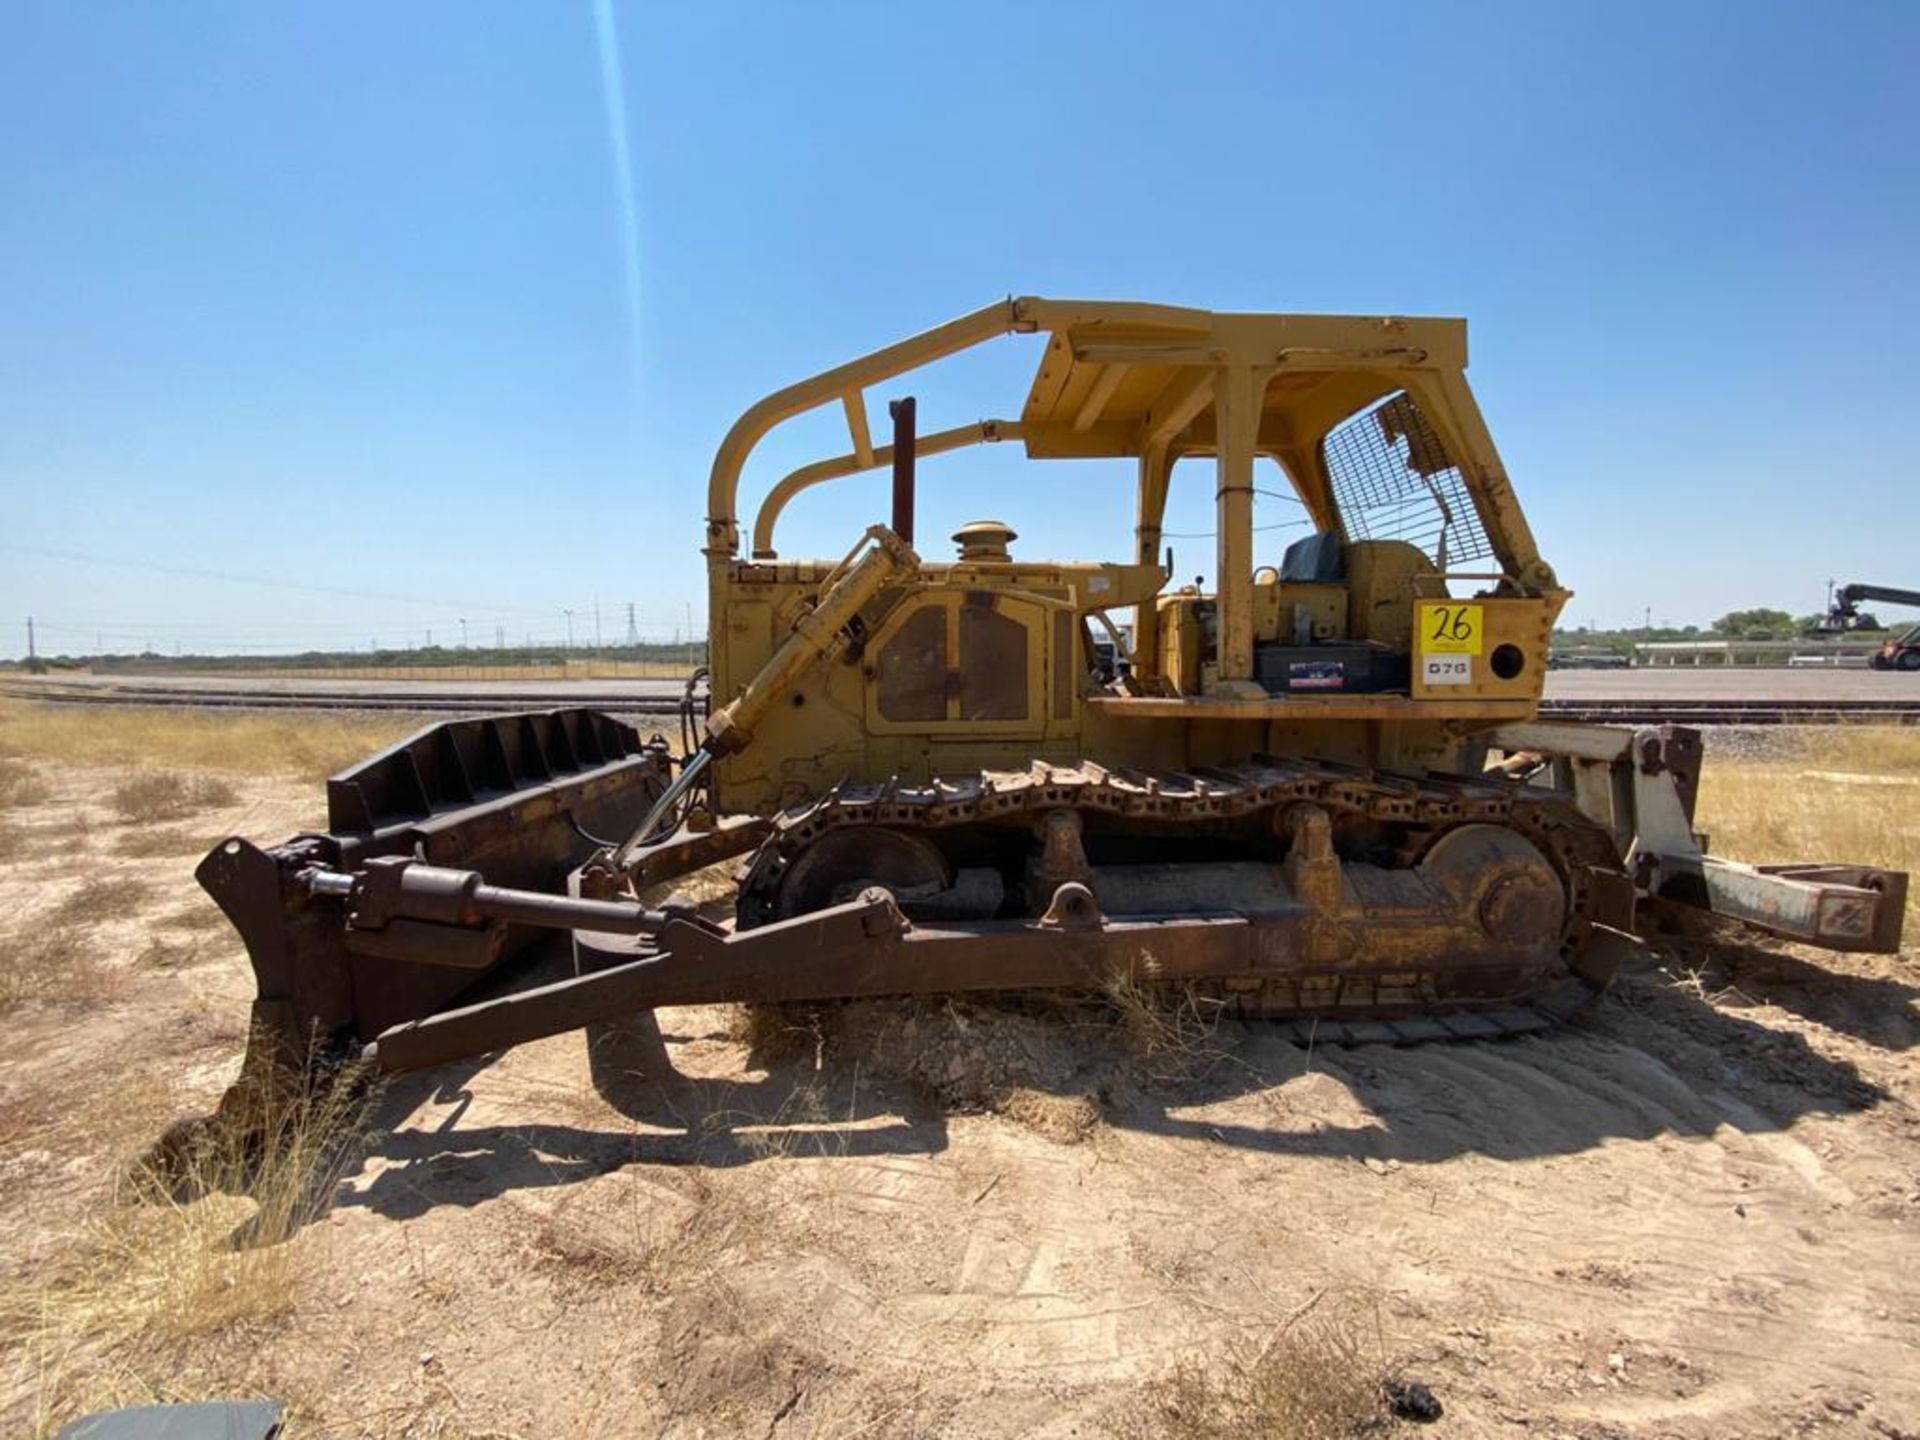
<point x="1063" y="1119"/>
<point x="159" y="844"/>
<point x="55" y="962"/>
<point x="1809" y="804"/>
<point x="100" y="898"/>
<point x="20" y="787"/>
<point x="1318" y="1374"/>
<point x="162" y="954"/>
<point x="774" y="1034"/>
<point x="311" y="746"/>
<point x="1172" y="1031"/>
<point x="646" y="1235"/>
<point x="211" y="1245"/>
<point x="197" y="917"/>
<point x="151" y="797"/>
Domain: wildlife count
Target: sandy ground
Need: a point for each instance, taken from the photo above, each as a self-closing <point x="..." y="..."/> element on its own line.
<point x="1691" y="1214"/>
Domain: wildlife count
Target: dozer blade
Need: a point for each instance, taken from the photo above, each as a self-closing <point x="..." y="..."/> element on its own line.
<point x="519" y="799"/>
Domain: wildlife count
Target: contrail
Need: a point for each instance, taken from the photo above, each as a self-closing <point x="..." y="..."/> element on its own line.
<point x="613" y="94"/>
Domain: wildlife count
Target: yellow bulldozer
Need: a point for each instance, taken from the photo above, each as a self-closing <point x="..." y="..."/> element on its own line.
<point x="1318" y="793"/>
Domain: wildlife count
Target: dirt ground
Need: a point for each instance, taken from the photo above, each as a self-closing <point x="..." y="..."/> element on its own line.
<point x="1692" y="1213"/>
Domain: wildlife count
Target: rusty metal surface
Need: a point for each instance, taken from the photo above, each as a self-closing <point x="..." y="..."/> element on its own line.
<point x="1836" y="907"/>
<point x="1505" y="897"/>
<point x="1642" y="785"/>
<point x="1479" y="922"/>
<point x="514" y="798"/>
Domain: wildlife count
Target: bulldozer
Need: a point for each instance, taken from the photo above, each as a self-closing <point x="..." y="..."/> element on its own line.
<point x="1318" y="794"/>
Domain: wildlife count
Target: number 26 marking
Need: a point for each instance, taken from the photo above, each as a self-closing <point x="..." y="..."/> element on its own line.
<point x="1451" y="629"/>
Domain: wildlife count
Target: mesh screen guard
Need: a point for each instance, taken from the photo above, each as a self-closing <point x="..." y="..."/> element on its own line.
<point x="1393" y="479"/>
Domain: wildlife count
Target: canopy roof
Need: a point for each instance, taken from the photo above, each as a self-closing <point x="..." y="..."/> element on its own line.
<point x="1116" y="377"/>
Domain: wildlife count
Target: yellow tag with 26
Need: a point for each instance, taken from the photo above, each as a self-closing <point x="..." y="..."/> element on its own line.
<point x="1448" y="628"/>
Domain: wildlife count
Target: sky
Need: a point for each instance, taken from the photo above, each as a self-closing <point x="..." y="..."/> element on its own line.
<point x="332" y="324"/>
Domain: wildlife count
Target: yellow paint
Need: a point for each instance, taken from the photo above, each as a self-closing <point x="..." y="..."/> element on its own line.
<point x="796" y="645"/>
<point x="1442" y="628"/>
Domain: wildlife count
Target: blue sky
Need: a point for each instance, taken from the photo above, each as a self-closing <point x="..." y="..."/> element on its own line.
<point x="337" y="296"/>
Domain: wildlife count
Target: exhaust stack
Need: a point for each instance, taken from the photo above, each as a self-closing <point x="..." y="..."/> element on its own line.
<point x="902" y="412"/>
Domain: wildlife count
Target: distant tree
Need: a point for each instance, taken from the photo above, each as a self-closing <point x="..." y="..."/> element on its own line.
<point x="1760" y="624"/>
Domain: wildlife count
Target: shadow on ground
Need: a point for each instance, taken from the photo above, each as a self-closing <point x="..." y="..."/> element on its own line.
<point x="1654" y="1057"/>
<point x="793" y="1109"/>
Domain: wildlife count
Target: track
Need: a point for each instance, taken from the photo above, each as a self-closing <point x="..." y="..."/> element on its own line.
<point x="1733" y="712"/>
<point x="452" y="700"/>
<point x="438" y="702"/>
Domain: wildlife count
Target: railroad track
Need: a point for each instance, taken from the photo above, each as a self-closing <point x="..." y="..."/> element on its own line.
<point x="1652" y="711"/>
<point x="1733" y="712"/>
<point x="452" y="702"/>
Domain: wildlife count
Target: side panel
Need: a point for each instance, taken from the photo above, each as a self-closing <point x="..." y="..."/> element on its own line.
<point x="1481" y="649"/>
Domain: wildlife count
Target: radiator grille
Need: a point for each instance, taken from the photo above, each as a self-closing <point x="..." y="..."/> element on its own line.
<point x="1393" y="479"/>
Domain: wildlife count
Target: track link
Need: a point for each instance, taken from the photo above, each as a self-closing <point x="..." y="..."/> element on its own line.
<point x="1422" y="807"/>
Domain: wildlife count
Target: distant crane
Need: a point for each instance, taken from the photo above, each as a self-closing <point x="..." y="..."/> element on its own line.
<point x="1902" y="653"/>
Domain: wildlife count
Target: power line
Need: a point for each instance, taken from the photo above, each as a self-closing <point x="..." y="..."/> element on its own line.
<point x="227" y="577"/>
<point x="1209" y="534"/>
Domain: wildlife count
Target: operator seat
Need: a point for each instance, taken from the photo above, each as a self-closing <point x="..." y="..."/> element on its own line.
<point x="1313" y="560"/>
<point x="1384" y="578"/>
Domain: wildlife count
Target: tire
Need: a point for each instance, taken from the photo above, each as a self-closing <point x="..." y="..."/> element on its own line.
<point x="1907" y="660"/>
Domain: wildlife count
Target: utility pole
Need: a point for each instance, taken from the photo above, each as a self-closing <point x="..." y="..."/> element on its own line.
<point x="33" y="657"/>
<point x="463" y="632"/>
<point x="569" y="615"/>
<point x="633" y="630"/>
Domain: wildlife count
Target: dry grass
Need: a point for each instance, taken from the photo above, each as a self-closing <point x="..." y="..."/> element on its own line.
<point x="53" y="961"/>
<point x="1851" y="795"/>
<point x="20" y="787"/>
<point x="1169" y="1030"/>
<point x="644" y="1235"/>
<point x="159" y="844"/>
<point x="1063" y="1119"/>
<point x="161" y="954"/>
<point x="213" y="1247"/>
<point x="1316" y="1375"/>
<point x="151" y="797"/>
<point x="98" y="899"/>
<point x="775" y="1034"/>
<point x="196" y="918"/>
<point x="309" y="746"/>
